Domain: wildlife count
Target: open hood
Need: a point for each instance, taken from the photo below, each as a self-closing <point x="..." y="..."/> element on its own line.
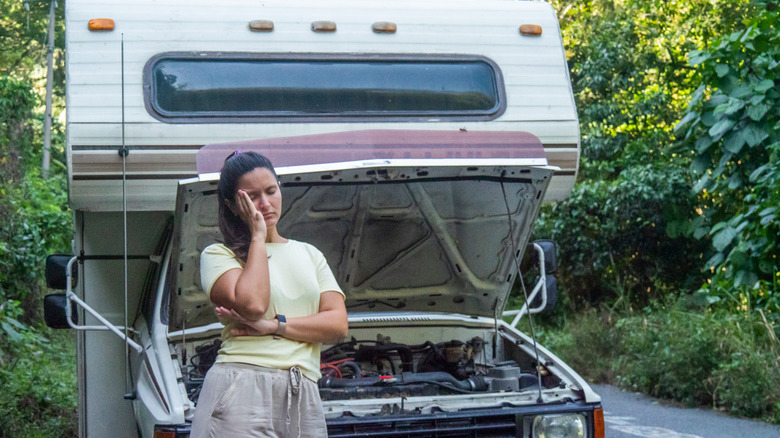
<point x="409" y="234"/>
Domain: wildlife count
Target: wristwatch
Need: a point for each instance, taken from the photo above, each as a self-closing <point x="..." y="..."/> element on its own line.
<point x="281" y="326"/>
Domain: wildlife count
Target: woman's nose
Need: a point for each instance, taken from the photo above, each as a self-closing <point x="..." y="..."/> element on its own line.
<point x="262" y="202"/>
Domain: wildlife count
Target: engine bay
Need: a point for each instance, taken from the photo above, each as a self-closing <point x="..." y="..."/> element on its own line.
<point x="380" y="368"/>
<point x="375" y="369"/>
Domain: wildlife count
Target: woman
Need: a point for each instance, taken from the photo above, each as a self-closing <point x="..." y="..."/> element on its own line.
<point x="279" y="301"/>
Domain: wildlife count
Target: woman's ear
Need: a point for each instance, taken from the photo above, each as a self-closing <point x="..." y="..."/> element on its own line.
<point x="231" y="207"/>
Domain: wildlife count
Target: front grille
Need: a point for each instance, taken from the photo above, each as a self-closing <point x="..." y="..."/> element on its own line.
<point x="429" y="426"/>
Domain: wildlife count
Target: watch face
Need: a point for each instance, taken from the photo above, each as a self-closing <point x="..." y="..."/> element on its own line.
<point x="281" y="318"/>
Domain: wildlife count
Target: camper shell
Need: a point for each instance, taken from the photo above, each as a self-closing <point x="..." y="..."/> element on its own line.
<point x="532" y="81"/>
<point x="415" y="142"/>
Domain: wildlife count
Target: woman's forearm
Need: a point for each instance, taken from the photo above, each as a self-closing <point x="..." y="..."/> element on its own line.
<point x="327" y="325"/>
<point x="252" y="292"/>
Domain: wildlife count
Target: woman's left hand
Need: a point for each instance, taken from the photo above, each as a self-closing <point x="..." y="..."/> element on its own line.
<point x="260" y="327"/>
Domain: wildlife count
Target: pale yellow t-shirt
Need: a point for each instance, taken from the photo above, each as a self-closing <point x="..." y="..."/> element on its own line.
<point x="299" y="274"/>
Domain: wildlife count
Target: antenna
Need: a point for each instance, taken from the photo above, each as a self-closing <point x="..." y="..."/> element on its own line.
<point x="123" y="152"/>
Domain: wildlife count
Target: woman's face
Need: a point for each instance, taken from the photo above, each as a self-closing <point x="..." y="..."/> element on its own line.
<point x="263" y="189"/>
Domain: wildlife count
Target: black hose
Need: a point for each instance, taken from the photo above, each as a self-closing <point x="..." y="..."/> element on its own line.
<point x="350" y="364"/>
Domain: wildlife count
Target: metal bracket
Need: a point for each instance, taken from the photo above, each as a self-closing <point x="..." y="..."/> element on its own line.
<point x="71" y="296"/>
<point x="541" y="286"/>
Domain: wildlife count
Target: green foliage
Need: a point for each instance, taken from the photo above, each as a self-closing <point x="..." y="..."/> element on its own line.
<point x="630" y="76"/>
<point x="14" y="335"/>
<point x="39" y="388"/>
<point x="680" y="352"/>
<point x="37" y="378"/>
<point x="37" y="223"/>
<point x="633" y="232"/>
<point x="33" y="210"/>
<point x="23" y="39"/>
<point x="674" y="353"/>
<point x="626" y="232"/>
<point x="622" y="241"/>
<point x="702" y="358"/>
<point x="16" y="135"/>
<point x="733" y="127"/>
<point x="586" y="342"/>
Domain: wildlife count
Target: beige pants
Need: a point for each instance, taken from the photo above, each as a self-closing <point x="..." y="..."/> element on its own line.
<point x="240" y="400"/>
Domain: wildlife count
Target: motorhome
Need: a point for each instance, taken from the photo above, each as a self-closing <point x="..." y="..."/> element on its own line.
<point x="415" y="142"/>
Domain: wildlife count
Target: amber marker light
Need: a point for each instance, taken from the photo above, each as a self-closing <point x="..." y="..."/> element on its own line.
<point x="384" y="27"/>
<point x="531" y="29"/>
<point x="598" y="423"/>
<point x="323" y="26"/>
<point x="261" y="26"/>
<point x="101" y="24"/>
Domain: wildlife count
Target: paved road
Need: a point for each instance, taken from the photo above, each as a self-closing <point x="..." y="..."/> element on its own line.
<point x="631" y="415"/>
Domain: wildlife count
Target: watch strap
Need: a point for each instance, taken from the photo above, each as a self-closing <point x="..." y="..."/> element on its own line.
<point x="281" y="326"/>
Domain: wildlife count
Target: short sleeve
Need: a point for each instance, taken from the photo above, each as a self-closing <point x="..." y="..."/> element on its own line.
<point x="325" y="278"/>
<point x="215" y="260"/>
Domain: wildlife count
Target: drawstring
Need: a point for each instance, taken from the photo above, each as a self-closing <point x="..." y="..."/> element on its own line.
<point x="293" y="389"/>
<point x="295" y="380"/>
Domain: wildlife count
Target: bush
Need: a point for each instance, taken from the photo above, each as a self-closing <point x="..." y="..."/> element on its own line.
<point x="586" y="343"/>
<point x="680" y="352"/>
<point x="669" y="354"/>
<point x="621" y="241"/>
<point x="733" y="128"/>
<point x="37" y="377"/>
<point x="38" y="398"/>
<point x="748" y="385"/>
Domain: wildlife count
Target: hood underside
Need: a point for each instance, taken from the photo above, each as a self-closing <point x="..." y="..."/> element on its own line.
<point x="407" y="235"/>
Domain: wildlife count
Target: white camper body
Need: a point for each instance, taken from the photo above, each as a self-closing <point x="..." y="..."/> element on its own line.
<point x="539" y="99"/>
<point x="123" y="204"/>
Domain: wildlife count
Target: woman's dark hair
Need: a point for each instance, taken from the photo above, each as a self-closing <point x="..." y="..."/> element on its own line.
<point x="235" y="232"/>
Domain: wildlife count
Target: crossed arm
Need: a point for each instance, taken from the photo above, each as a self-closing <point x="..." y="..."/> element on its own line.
<point x="327" y="325"/>
<point x="236" y="299"/>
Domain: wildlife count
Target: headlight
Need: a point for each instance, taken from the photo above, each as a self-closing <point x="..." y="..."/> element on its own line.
<point x="559" y="426"/>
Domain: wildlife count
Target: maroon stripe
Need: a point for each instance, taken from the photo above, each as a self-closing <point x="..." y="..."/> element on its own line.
<point x="378" y="144"/>
<point x="102" y="177"/>
<point x="156" y="147"/>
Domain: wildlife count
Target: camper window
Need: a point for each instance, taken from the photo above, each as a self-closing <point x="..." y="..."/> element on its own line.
<point x="218" y="88"/>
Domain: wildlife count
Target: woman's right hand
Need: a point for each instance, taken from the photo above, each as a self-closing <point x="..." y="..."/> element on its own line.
<point x="247" y="327"/>
<point x="249" y="214"/>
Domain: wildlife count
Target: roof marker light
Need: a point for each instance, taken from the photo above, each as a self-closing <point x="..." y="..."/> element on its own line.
<point x="530" y="29"/>
<point x="261" y="26"/>
<point x="101" y="24"/>
<point x="323" y="26"/>
<point x="384" y="27"/>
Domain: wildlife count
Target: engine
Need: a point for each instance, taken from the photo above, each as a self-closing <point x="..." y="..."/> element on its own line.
<point x="375" y="369"/>
<point x="360" y="369"/>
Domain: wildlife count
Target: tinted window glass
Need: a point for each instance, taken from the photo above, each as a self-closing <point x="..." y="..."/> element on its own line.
<point x="216" y="87"/>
